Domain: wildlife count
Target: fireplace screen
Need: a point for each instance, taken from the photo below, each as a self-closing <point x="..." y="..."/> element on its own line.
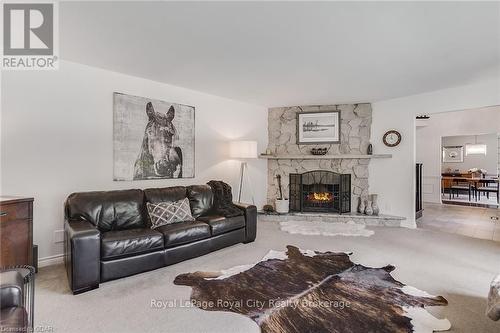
<point x="320" y="191"/>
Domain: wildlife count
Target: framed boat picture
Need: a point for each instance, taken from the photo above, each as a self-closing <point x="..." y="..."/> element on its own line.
<point x="318" y="127"/>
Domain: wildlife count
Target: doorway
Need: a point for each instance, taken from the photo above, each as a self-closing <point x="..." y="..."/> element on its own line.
<point x="460" y="153"/>
<point x="469" y="170"/>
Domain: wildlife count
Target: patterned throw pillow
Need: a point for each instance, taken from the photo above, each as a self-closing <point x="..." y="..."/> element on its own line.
<point x="169" y="212"/>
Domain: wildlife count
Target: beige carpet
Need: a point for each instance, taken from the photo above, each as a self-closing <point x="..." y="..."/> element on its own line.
<point x="457" y="267"/>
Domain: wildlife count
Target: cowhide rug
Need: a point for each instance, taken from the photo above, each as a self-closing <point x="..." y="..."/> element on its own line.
<point x="349" y="228"/>
<point x="493" y="309"/>
<point x="310" y="291"/>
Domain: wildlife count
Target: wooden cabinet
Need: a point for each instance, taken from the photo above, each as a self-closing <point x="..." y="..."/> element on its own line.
<point x="16" y="231"/>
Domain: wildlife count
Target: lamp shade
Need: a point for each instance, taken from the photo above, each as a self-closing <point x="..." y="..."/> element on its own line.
<point x="475" y="149"/>
<point x="243" y="149"/>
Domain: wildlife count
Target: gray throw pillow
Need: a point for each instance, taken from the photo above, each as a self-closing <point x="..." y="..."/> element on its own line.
<point x="164" y="213"/>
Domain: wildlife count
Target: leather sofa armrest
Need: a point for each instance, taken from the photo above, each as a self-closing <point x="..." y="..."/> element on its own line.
<point x="250" y="212"/>
<point x="11" y="289"/>
<point x="82" y="255"/>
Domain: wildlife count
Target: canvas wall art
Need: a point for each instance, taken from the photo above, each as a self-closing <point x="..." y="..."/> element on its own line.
<point x="153" y="139"/>
<point x="318" y="127"/>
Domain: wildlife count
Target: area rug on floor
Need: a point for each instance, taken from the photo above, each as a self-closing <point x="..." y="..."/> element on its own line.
<point x="325" y="228"/>
<point x="311" y="291"/>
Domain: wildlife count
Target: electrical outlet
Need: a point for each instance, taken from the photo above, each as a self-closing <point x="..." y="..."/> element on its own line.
<point x="58" y="236"/>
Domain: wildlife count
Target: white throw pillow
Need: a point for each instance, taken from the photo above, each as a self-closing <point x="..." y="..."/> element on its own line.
<point x="164" y="213"/>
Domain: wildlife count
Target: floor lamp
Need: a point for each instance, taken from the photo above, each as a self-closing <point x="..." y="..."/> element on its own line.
<point x="243" y="150"/>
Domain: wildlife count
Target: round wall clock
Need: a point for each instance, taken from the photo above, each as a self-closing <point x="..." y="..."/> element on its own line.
<point x="392" y="138"/>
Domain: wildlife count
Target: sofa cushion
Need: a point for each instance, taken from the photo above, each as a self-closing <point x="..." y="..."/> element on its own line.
<point x="11" y="289"/>
<point x="126" y="243"/>
<point x="14" y="319"/>
<point x="108" y="210"/>
<point x="221" y="224"/>
<point x="165" y="194"/>
<point x="184" y="232"/>
<point x="165" y="213"/>
<point x="200" y="198"/>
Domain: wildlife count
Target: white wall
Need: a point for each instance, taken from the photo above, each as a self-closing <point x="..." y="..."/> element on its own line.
<point x="57" y="138"/>
<point x="498" y="145"/>
<point x="394" y="179"/>
<point x="486" y="162"/>
<point x="428" y="143"/>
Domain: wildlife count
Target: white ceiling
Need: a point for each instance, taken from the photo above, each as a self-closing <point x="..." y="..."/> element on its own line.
<point x="292" y="53"/>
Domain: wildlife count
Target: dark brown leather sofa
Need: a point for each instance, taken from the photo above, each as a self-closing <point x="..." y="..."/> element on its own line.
<point x="108" y="234"/>
<point x="13" y="315"/>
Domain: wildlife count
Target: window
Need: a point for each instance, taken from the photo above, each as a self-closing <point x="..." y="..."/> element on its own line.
<point x="475" y="149"/>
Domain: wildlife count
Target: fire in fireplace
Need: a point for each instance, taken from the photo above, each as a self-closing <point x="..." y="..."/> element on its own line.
<point x="320" y="197"/>
<point x="320" y="191"/>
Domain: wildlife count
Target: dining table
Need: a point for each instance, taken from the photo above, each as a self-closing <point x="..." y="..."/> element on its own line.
<point x="471" y="180"/>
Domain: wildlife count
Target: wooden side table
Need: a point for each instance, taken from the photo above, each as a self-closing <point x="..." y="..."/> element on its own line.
<point x="16" y="231"/>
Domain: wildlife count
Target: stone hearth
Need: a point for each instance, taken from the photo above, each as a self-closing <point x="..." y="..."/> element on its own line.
<point x="381" y="220"/>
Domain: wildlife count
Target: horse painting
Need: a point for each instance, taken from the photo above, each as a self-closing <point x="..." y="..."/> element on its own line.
<point x="152" y="139"/>
<point x="159" y="157"/>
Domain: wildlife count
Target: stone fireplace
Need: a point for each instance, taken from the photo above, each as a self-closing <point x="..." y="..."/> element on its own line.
<point x="320" y="191"/>
<point x="355" y="127"/>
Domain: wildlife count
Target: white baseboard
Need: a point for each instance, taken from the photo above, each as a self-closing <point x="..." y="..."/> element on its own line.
<point x="52" y="260"/>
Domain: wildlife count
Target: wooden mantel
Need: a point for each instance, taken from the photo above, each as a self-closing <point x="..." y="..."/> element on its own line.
<point x="322" y="157"/>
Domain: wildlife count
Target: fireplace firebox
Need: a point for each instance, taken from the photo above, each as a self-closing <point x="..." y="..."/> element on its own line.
<point x="320" y="191"/>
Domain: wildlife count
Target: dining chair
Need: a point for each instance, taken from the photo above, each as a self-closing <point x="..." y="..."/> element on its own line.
<point x="487" y="186"/>
<point x="461" y="185"/>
